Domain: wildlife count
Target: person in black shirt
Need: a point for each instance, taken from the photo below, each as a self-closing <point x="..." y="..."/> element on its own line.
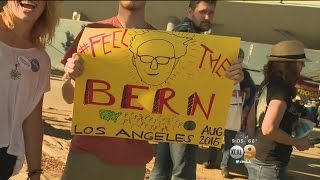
<point x="272" y="117"/>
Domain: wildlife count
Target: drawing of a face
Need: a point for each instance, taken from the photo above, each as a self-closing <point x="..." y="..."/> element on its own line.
<point x="155" y="61"/>
<point x="156" y="54"/>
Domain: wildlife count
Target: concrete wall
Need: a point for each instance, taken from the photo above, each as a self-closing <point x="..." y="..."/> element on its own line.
<point x="254" y="60"/>
<point x="157" y="12"/>
<point x="256" y="22"/>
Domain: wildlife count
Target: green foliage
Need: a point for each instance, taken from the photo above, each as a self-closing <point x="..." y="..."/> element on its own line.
<point x="69" y="41"/>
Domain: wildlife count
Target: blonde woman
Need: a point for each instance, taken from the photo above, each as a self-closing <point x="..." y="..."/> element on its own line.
<point x="272" y="118"/>
<point x="25" y="28"/>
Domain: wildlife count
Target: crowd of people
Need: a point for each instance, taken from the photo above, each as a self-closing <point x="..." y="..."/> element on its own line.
<point x="268" y="114"/>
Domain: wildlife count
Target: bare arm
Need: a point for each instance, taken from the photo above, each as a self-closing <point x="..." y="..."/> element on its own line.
<point x="271" y="122"/>
<point x="68" y="90"/>
<point x="73" y="69"/>
<point x="33" y="136"/>
<point x="251" y="122"/>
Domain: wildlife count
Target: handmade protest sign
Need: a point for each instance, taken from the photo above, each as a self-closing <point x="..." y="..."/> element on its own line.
<point x="153" y="85"/>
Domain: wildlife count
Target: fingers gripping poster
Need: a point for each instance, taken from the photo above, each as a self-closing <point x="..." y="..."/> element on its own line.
<point x="153" y="85"/>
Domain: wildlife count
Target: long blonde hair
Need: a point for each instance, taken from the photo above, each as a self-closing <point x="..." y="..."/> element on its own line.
<point x="43" y="29"/>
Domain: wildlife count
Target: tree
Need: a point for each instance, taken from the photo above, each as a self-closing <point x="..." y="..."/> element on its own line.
<point x="69" y="41"/>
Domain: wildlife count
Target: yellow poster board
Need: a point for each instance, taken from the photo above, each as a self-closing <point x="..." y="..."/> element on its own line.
<point x="153" y="85"/>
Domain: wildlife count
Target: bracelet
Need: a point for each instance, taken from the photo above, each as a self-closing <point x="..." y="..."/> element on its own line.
<point x="33" y="173"/>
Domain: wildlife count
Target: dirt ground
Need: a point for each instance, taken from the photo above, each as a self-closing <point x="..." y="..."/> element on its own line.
<point x="303" y="165"/>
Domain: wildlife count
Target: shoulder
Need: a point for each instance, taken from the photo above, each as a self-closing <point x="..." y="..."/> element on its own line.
<point x="108" y="23"/>
<point x="39" y="63"/>
<point x="279" y="89"/>
<point x="44" y="59"/>
<point x="277" y="86"/>
<point x="100" y="25"/>
<point x="73" y="48"/>
<point x="278" y="83"/>
<point x="151" y="27"/>
<point x="184" y="27"/>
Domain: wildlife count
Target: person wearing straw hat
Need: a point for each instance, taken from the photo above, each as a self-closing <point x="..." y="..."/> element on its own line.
<point x="272" y="117"/>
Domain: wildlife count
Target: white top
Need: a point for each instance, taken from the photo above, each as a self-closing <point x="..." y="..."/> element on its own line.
<point x="234" y="116"/>
<point x="19" y="95"/>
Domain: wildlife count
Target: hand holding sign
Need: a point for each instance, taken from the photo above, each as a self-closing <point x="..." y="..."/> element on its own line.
<point x="234" y="72"/>
<point x="153" y="85"/>
<point x="74" y="66"/>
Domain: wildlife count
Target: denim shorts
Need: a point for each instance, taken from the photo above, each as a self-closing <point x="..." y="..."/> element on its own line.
<point x="258" y="170"/>
<point x="7" y="162"/>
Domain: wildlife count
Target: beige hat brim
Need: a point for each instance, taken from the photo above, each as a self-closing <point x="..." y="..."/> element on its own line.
<point x="271" y="58"/>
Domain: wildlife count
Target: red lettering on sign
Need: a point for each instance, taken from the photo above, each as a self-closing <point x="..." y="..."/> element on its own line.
<point x="206" y="49"/>
<point x="127" y="96"/>
<point x="223" y="66"/>
<point x="89" y="94"/>
<point x="99" y="89"/>
<point x="92" y="42"/>
<point x="123" y="36"/>
<point x="114" y="39"/>
<point x="194" y="101"/>
<point x="105" y="39"/>
<point x="161" y="100"/>
<point x="104" y="42"/>
<point x="213" y="61"/>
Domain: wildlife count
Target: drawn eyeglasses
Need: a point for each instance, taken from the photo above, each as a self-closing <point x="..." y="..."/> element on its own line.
<point x="159" y="59"/>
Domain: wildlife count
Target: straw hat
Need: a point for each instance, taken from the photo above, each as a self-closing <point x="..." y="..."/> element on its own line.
<point x="292" y="50"/>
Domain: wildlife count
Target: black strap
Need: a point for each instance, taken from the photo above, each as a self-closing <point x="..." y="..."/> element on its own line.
<point x="257" y="99"/>
<point x="298" y="56"/>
